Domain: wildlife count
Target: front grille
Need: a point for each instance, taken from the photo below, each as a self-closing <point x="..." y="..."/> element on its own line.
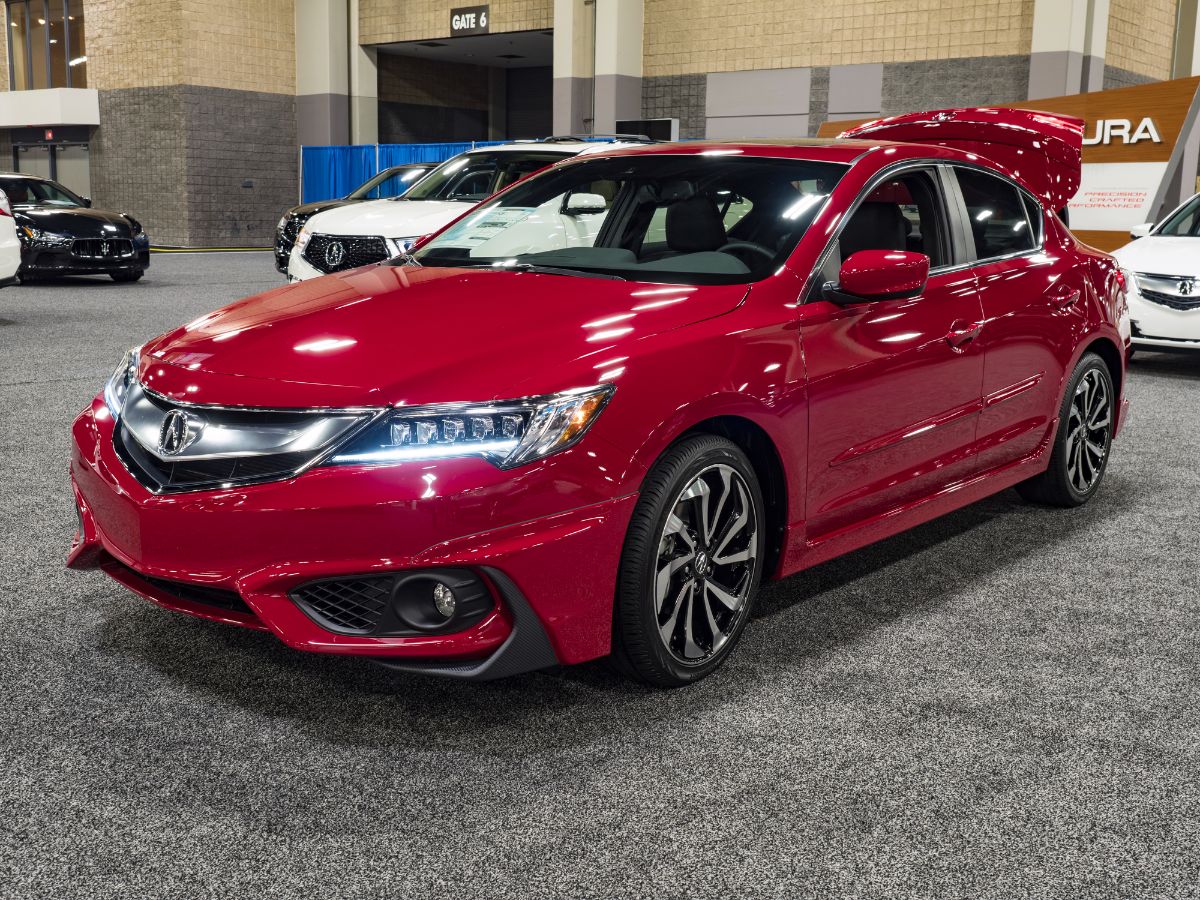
<point x="335" y="253"/>
<point x="184" y="474"/>
<point x="102" y="248"/>
<point x="1171" y="291"/>
<point x="353" y="606"/>
<point x="1171" y="301"/>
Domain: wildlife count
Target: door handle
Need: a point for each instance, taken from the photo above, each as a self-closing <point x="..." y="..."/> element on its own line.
<point x="962" y="333"/>
<point x="1064" y="297"/>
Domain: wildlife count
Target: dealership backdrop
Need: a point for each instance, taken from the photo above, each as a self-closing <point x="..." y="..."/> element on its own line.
<point x="200" y="108"/>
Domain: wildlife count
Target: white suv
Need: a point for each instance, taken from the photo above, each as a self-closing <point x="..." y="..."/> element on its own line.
<point x="364" y="233"/>
<point x="1162" y="269"/>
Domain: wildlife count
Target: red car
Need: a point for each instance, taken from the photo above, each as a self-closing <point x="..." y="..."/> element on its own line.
<point x="590" y="416"/>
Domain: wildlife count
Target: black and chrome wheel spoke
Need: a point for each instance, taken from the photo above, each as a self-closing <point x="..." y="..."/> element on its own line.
<point x="709" y="542"/>
<point x="1088" y="431"/>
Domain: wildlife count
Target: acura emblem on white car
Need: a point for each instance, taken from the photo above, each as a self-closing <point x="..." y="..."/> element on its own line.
<point x="179" y="430"/>
<point x="335" y="253"/>
<point x="1186" y="287"/>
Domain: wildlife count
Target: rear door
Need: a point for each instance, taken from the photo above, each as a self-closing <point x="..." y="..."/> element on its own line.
<point x="894" y="385"/>
<point x="1033" y="302"/>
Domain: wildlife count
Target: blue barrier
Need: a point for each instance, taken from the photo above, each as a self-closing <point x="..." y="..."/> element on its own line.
<point x="327" y="172"/>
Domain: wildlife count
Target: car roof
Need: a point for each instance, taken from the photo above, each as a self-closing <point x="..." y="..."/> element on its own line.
<point x="565" y="146"/>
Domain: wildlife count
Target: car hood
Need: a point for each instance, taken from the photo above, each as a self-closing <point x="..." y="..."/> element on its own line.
<point x="1161" y="255"/>
<point x="77" y="221"/>
<point x="311" y="209"/>
<point x="393" y="335"/>
<point x="390" y="218"/>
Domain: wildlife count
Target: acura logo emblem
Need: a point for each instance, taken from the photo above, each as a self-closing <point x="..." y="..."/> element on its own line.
<point x="1186" y="287"/>
<point x="179" y="431"/>
<point x="335" y="253"/>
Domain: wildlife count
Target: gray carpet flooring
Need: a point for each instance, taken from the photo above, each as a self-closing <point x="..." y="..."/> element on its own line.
<point x="1005" y="702"/>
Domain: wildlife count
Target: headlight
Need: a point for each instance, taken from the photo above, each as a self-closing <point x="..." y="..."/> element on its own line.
<point x="120" y="380"/>
<point x="303" y="238"/>
<point x="38" y="238"/>
<point x="282" y="223"/>
<point x="402" y="245"/>
<point x="135" y="227"/>
<point x="506" y="434"/>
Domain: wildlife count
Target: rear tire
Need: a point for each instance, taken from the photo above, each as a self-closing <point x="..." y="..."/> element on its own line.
<point x="691" y="563"/>
<point x="134" y="275"/>
<point x="1082" y="442"/>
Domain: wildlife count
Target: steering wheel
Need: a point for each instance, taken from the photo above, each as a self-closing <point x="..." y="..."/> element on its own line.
<point x="747" y="245"/>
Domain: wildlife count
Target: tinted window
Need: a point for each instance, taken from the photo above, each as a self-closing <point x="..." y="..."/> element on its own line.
<point x="903" y="213"/>
<point x="35" y="192"/>
<point x="998" y="218"/>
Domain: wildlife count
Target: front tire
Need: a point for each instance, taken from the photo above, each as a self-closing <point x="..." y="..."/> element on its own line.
<point x="1083" y="440"/>
<point x="132" y="275"/>
<point x="691" y="564"/>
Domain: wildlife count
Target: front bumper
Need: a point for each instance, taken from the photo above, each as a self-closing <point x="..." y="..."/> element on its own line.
<point x="299" y="269"/>
<point x="553" y="574"/>
<point x="51" y="261"/>
<point x="1161" y="327"/>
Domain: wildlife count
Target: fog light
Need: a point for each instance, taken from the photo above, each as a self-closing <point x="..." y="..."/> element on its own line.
<point x="443" y="599"/>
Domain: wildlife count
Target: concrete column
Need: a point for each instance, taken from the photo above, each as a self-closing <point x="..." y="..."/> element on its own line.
<point x="618" y="85"/>
<point x="1070" y="38"/>
<point x="1187" y="40"/>
<point x="322" y="73"/>
<point x="364" y="86"/>
<point x="574" y="65"/>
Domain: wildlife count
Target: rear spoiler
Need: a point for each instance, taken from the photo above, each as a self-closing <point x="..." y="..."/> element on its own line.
<point x="1044" y="150"/>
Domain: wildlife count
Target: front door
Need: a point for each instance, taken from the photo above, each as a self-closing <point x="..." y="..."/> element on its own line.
<point x="894" y="385"/>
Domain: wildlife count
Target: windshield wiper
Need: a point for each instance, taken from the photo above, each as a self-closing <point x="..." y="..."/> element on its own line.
<point x="555" y="270"/>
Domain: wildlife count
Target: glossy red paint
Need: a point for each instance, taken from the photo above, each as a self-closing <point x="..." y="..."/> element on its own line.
<point x="884" y="274"/>
<point x="879" y="415"/>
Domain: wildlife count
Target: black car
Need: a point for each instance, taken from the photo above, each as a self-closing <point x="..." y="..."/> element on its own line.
<point x="389" y="183"/>
<point x="61" y="234"/>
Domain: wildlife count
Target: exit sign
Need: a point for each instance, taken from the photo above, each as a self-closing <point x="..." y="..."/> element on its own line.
<point x="469" y="20"/>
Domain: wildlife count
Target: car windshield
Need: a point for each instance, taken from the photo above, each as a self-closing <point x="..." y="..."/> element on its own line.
<point x="1185" y="222"/>
<point x="471" y="177"/>
<point x="389" y="183"/>
<point x="35" y="192"/>
<point x="679" y="219"/>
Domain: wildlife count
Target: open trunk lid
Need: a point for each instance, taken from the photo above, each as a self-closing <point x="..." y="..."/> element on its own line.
<point x="1044" y="150"/>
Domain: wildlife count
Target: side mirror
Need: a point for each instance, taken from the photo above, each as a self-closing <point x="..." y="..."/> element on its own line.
<point x="87" y="201"/>
<point x="1140" y="231"/>
<point x="584" y="205"/>
<point x="871" y="275"/>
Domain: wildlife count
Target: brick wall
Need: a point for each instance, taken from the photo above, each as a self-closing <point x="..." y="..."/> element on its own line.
<point x="693" y="36"/>
<point x="386" y="21"/>
<point x="1139" y="41"/>
<point x="197" y="110"/>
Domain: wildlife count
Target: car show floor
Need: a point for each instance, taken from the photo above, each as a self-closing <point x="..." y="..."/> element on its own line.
<point x="1002" y="702"/>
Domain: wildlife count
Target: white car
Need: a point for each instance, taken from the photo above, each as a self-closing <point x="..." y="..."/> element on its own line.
<point x="10" y="245"/>
<point x="1162" y="270"/>
<point x="352" y="236"/>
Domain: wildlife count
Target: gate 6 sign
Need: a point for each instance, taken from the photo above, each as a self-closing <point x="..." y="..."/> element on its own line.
<point x="469" y="20"/>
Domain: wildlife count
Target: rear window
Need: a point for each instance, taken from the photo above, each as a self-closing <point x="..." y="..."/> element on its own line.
<point x="999" y="216"/>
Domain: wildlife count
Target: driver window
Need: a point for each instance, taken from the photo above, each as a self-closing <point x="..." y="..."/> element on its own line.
<point x="475" y="182"/>
<point x="902" y="213"/>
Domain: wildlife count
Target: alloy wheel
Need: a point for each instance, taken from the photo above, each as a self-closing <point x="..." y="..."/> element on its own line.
<point x="1089" y="431"/>
<point x="705" y="564"/>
